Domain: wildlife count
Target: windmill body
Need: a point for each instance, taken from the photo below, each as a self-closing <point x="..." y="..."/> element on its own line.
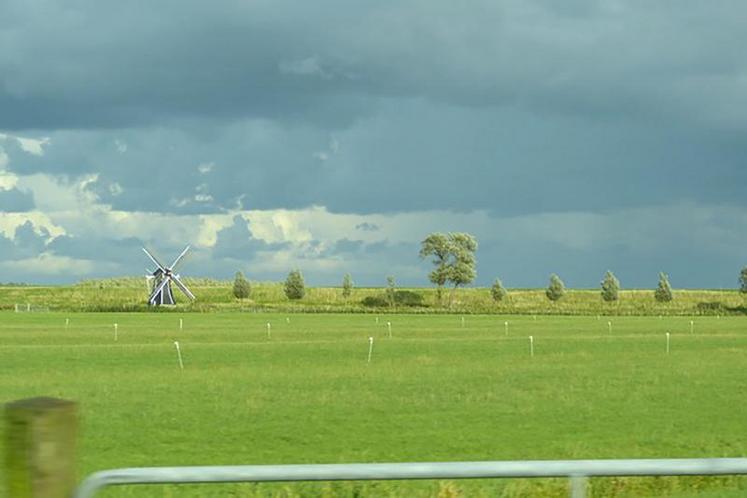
<point x="160" y="281"/>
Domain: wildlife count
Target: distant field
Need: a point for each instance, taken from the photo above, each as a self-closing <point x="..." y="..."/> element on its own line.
<point x="434" y="391"/>
<point x="130" y="294"/>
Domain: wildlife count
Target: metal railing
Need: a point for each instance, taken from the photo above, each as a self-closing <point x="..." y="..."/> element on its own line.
<point x="577" y="470"/>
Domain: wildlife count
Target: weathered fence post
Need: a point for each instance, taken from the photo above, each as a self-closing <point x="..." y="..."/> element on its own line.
<point x="40" y="448"/>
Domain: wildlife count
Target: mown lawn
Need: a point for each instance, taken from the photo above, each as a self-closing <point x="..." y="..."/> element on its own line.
<point x="434" y="391"/>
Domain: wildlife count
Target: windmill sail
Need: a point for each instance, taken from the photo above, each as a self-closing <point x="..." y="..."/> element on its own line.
<point x="162" y="278"/>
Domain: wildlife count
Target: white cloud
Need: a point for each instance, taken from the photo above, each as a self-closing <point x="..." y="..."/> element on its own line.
<point x="205" y="168"/>
<point x="310" y="66"/>
<point x="115" y="189"/>
<point x="33" y="146"/>
<point x="121" y="146"/>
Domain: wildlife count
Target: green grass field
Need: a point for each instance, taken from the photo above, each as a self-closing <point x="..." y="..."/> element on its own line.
<point x="434" y="391"/>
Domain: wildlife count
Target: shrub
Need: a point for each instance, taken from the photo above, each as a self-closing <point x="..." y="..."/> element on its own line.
<point x="294" y="285"/>
<point x="400" y="298"/>
<point x="241" y="286"/>
<point x="556" y="289"/>
<point x="743" y="281"/>
<point x="663" y="292"/>
<point x="610" y="287"/>
<point x="497" y="291"/>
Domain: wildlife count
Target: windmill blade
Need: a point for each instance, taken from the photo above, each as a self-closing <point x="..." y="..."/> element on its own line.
<point x="155" y="261"/>
<point x="178" y="259"/>
<point x="158" y="289"/>
<point x="177" y="281"/>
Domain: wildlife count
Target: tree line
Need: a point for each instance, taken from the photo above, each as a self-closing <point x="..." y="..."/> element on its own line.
<point x="453" y="256"/>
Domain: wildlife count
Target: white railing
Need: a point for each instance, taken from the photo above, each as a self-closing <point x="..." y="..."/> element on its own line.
<point x="577" y="470"/>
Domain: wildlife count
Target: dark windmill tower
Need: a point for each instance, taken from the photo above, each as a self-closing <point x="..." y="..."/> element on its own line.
<point x="161" y="280"/>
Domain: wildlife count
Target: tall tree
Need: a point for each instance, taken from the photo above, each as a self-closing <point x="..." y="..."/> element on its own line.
<point x="453" y="257"/>
<point x="610" y="287"/>
<point x="347" y="285"/>
<point x="497" y="291"/>
<point x="663" y="292"/>
<point x="241" y="286"/>
<point x="556" y="289"/>
<point x="294" y="287"/>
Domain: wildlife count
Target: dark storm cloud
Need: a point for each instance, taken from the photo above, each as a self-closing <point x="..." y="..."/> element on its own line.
<point x="512" y="107"/>
<point x="109" y="64"/>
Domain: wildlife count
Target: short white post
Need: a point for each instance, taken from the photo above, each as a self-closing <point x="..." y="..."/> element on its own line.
<point x="389" y="327"/>
<point x="667" y="342"/>
<point x="462" y="322"/>
<point x="534" y="317"/>
<point x="609" y="327"/>
<point x="505" y="326"/>
<point x="370" y="348"/>
<point x="179" y="355"/>
<point x="16" y="307"/>
<point x="377" y="319"/>
<point x="692" y="326"/>
<point x="115" y="332"/>
<point x="287" y="319"/>
<point x="269" y="330"/>
<point x="181" y="324"/>
<point x="578" y="486"/>
<point x="67" y="323"/>
<point x="531" y="346"/>
<point x="28" y="306"/>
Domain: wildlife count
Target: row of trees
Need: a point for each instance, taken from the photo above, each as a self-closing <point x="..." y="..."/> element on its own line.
<point x="455" y="264"/>
<point x="610" y="288"/>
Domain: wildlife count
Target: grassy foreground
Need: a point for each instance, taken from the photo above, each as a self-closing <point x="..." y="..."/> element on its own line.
<point x="435" y="391"/>
<point x="130" y="294"/>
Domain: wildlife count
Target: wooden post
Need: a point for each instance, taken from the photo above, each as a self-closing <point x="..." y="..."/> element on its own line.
<point x="40" y="448"/>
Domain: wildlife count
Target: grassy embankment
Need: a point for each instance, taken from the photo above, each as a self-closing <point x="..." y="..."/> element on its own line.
<point x="434" y="391"/>
<point x="128" y="294"/>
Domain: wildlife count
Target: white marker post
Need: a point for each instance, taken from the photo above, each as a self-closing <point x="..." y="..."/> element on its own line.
<point x="462" y="322"/>
<point x="667" y="342"/>
<point x="505" y="326"/>
<point x="609" y="327"/>
<point x="377" y="319"/>
<point x="287" y="319"/>
<point x="181" y="324"/>
<point x="692" y="326"/>
<point x="370" y="348"/>
<point x="179" y="355"/>
<point x="269" y="330"/>
<point x="115" y="331"/>
<point x="534" y="317"/>
<point x="389" y="327"/>
<point x="531" y="346"/>
<point x="67" y="323"/>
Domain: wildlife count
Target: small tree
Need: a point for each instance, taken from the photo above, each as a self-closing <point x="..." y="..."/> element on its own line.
<point x="663" y="292"/>
<point x="294" y="285"/>
<point x="391" y="289"/>
<point x="347" y="285"/>
<point x="743" y="281"/>
<point x="556" y="289"/>
<point x="241" y="286"/>
<point x="497" y="291"/>
<point x="610" y="287"/>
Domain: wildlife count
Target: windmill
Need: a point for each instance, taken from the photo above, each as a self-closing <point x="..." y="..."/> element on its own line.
<point x="162" y="278"/>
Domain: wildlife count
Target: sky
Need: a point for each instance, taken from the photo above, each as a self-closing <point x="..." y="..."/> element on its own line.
<point x="568" y="137"/>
